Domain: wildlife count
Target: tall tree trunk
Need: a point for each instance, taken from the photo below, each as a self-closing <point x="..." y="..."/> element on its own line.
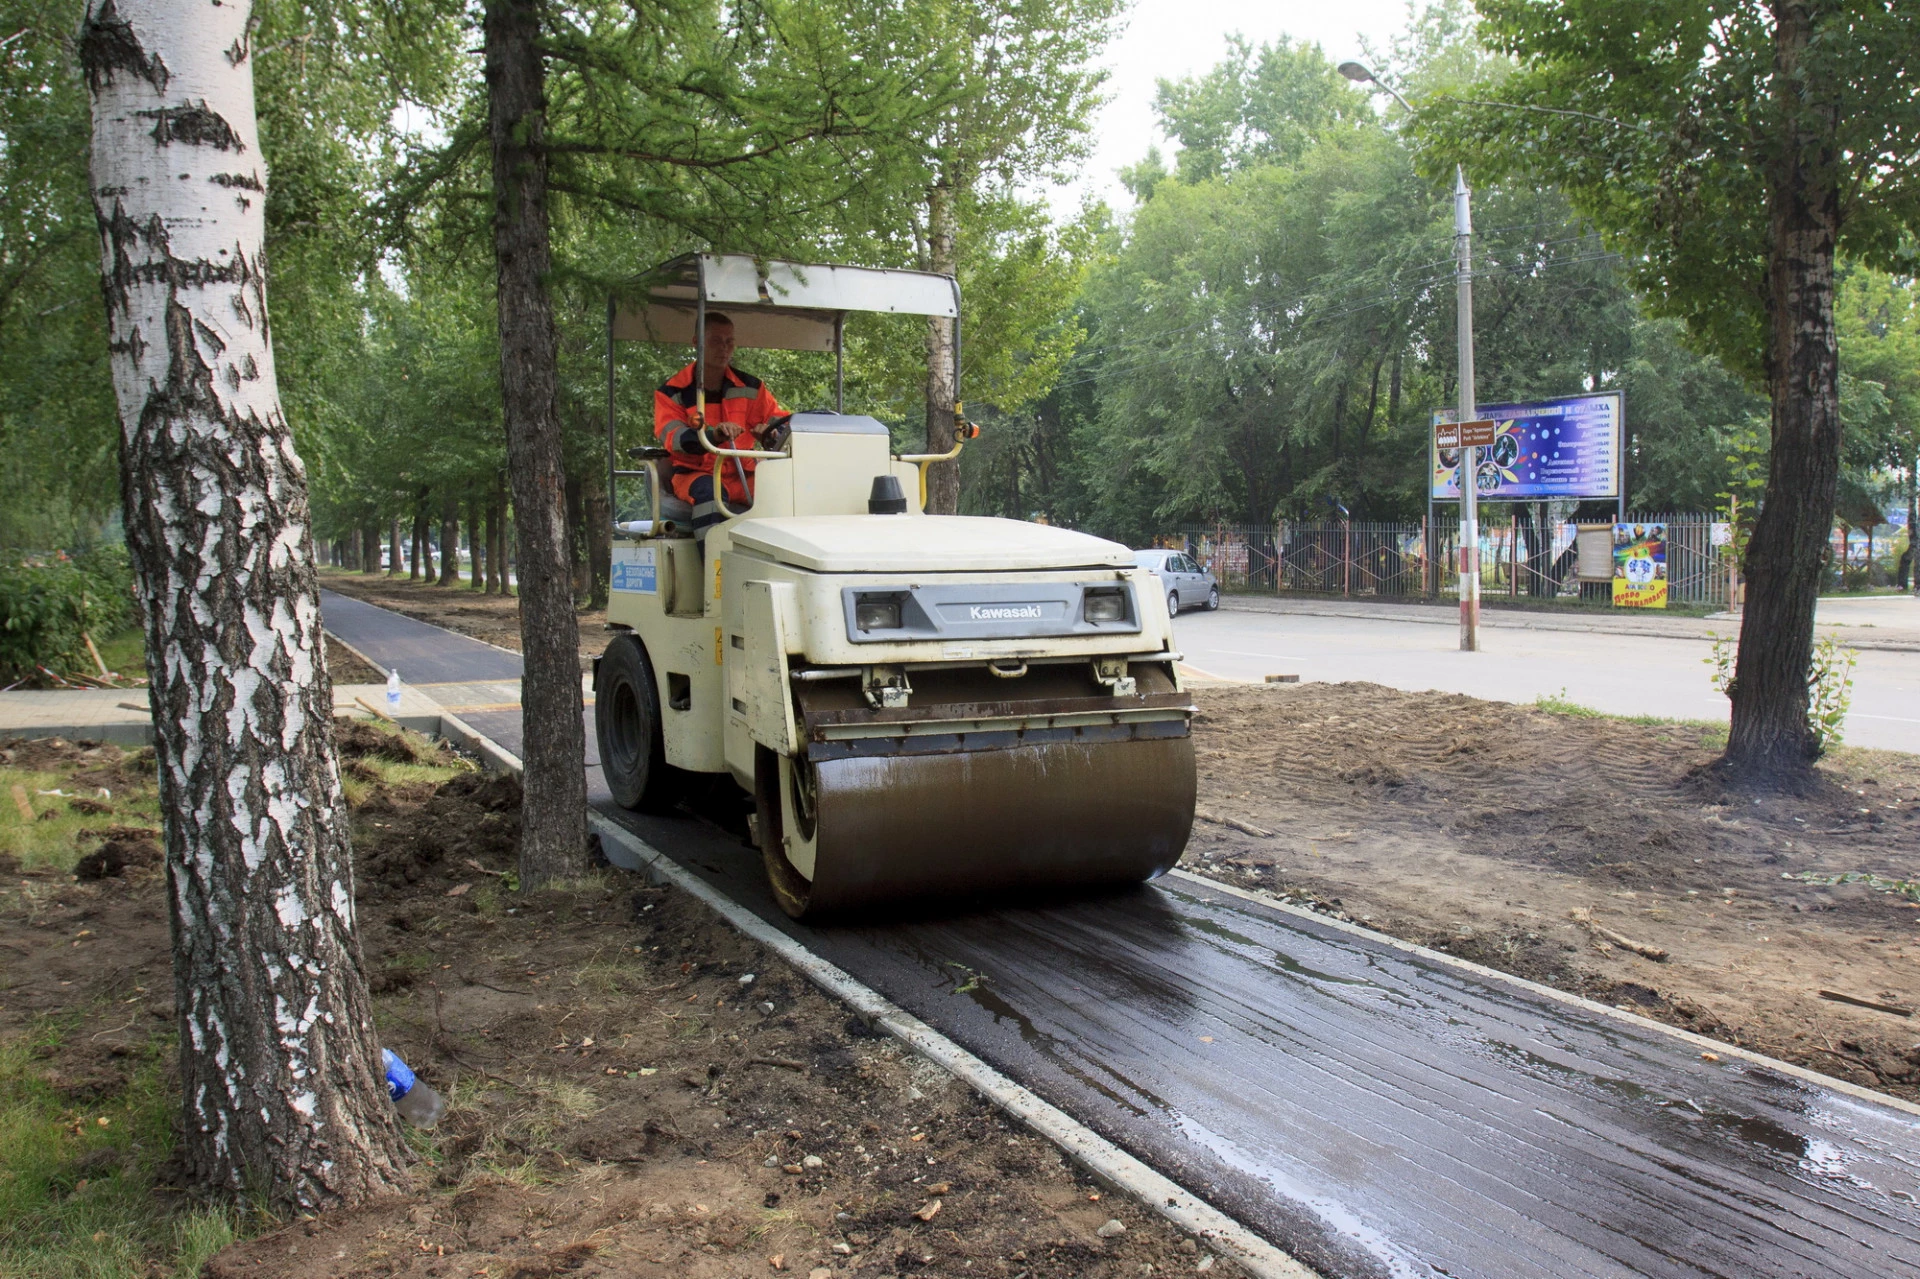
<point x="553" y="821"/>
<point x="599" y="538"/>
<point x="369" y="549"/>
<point x="394" y="556"/>
<point x="496" y="523"/>
<point x="282" y="1088"/>
<point x="449" y="541"/>
<point x="577" y="536"/>
<point x="1770" y="736"/>
<point x="476" y="543"/>
<point x="943" y="478"/>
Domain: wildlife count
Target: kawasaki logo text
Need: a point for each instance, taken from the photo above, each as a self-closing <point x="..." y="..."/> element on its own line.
<point x="1001" y="613"/>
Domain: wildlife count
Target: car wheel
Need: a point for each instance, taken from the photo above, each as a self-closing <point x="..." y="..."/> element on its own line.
<point x="626" y="719"/>
<point x="1173" y="603"/>
<point x="1213" y="598"/>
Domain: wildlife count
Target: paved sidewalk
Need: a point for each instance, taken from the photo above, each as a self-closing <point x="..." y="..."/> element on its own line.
<point x="1887" y="625"/>
<point x="121" y="715"/>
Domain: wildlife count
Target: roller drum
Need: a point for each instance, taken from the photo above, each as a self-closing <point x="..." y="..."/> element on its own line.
<point x="931" y="818"/>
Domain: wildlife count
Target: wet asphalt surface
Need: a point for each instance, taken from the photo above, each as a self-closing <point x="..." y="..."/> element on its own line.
<point x="1371" y="1111"/>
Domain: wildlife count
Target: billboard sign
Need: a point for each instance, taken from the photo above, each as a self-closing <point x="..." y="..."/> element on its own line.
<point x="1568" y="447"/>
<point x="1640" y="565"/>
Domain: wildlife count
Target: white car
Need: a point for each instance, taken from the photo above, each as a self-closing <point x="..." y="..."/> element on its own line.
<point x="1187" y="583"/>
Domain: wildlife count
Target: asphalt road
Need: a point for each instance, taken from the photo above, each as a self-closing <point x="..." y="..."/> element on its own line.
<point x="1373" y="1111"/>
<point x="1619" y="674"/>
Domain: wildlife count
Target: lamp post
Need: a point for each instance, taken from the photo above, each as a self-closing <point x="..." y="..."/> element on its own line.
<point x="1359" y="73"/>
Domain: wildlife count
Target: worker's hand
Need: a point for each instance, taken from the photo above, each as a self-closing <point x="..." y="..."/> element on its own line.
<point x="774" y="434"/>
<point x="723" y="432"/>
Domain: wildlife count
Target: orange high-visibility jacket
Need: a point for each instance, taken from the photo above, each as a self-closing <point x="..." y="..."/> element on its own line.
<point x="744" y="401"/>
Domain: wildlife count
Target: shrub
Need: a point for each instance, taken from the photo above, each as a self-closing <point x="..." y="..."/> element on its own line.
<point x="49" y="604"/>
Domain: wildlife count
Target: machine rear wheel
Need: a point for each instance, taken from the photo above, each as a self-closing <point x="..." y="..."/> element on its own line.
<point x="626" y="716"/>
<point x="1173" y="603"/>
<point x="785" y="802"/>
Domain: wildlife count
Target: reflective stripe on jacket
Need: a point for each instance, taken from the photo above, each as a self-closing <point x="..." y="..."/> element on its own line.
<point x="744" y="401"/>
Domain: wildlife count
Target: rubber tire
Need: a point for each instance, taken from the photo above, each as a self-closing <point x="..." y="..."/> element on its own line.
<point x="1173" y="603"/>
<point x="626" y="717"/>
<point x="1213" y="598"/>
<point x="790" y="889"/>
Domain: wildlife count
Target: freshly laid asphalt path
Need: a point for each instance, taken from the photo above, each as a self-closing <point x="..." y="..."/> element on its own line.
<point x="1372" y="1110"/>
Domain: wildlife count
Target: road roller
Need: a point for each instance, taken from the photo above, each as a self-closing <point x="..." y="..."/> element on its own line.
<point x="919" y="706"/>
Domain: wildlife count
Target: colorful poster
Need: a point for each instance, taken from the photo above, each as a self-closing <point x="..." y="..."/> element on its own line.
<point x="1541" y="449"/>
<point x="1640" y="566"/>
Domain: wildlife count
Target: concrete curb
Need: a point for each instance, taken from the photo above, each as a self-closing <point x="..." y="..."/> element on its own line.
<point x="1724" y="1049"/>
<point x="1500" y="619"/>
<point x="494" y="757"/>
<point x="1081" y="1144"/>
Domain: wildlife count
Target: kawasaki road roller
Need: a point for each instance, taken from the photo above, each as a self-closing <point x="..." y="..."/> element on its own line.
<point x="920" y="706"/>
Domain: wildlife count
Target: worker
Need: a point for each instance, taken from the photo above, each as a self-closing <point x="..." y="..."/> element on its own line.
<point x="737" y="404"/>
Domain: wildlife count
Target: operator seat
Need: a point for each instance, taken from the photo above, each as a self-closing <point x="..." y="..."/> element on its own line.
<point x="671" y="507"/>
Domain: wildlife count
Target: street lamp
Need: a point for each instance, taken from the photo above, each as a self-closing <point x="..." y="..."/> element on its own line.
<point x="1359" y="73"/>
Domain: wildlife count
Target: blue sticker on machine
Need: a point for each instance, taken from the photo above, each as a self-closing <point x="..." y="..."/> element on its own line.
<point x="633" y="570"/>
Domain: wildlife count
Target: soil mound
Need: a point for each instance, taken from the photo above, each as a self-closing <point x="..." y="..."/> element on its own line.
<point x="406" y="836"/>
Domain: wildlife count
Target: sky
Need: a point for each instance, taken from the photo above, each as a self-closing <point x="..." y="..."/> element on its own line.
<point x="1175" y="38"/>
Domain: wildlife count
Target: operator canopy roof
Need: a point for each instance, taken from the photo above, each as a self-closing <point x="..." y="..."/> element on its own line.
<point x="786" y="306"/>
<point x="954" y="543"/>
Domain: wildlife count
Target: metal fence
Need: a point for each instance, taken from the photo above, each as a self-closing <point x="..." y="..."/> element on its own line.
<point x="1416" y="559"/>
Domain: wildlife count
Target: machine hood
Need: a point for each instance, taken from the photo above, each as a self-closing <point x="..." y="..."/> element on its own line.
<point x="923" y="544"/>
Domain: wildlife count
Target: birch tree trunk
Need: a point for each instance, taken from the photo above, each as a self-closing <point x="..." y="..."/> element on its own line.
<point x="283" y="1094"/>
<point x="943" y="478"/>
<point x="553" y="817"/>
<point x="1769" y="737"/>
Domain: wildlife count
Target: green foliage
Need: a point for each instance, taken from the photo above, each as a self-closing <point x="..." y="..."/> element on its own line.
<point x="1829" y="685"/>
<point x="1269" y="333"/>
<point x="1659" y="120"/>
<point x="58" y="436"/>
<point x="1829" y="692"/>
<point x="1265" y="106"/>
<point x="49" y="605"/>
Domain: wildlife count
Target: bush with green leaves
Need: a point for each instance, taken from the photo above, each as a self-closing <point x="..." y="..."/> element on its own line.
<point x="50" y="604"/>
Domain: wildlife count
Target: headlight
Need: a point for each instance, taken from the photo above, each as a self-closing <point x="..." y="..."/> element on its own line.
<point x="1099" y="607"/>
<point x="877" y="612"/>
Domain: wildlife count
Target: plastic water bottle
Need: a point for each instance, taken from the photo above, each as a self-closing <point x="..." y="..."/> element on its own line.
<point x="393" y="689"/>
<point x="413" y="1097"/>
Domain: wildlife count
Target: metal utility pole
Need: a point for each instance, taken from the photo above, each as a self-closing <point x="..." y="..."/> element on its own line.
<point x="1360" y="73"/>
<point x="1469" y="455"/>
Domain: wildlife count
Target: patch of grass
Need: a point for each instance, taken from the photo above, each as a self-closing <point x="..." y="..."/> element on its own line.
<point x="444" y="766"/>
<point x="125" y="652"/>
<point x="1712" y="733"/>
<point x="1560" y="704"/>
<point x="50" y="840"/>
<point x="77" y="1182"/>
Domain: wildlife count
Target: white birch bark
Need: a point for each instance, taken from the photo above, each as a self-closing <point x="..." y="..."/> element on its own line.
<point x="283" y="1095"/>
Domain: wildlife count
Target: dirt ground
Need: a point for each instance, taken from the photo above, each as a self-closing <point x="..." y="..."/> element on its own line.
<point x="1549" y="844"/>
<point x="345" y="668"/>
<point x="635" y="1088"/>
<point x="493" y="618"/>
<point x="1538" y="842"/>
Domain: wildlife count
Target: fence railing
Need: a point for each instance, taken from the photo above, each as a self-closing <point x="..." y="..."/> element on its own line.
<point x="1415" y="559"/>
